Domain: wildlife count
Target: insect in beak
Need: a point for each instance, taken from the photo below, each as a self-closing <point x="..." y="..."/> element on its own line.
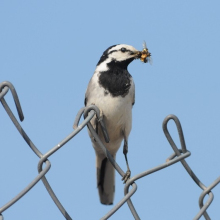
<point x="144" y="55"/>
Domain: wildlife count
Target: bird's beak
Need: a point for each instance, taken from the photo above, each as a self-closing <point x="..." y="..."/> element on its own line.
<point x="143" y="55"/>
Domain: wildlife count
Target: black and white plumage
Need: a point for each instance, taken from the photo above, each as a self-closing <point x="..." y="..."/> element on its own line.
<point x="112" y="90"/>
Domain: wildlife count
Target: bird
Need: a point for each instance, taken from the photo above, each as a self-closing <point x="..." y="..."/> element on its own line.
<point x="112" y="90"/>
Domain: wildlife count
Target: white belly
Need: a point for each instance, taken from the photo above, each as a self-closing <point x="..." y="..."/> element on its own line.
<point x="117" y="113"/>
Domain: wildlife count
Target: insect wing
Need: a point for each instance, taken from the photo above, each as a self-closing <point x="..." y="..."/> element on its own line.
<point x="144" y="45"/>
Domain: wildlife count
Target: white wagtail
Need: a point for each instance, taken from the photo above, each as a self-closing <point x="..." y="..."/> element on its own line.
<point x="112" y="90"/>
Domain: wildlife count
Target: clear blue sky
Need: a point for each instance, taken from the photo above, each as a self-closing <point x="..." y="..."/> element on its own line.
<point x="49" y="50"/>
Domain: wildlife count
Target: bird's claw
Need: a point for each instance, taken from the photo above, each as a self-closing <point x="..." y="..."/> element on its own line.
<point x="126" y="176"/>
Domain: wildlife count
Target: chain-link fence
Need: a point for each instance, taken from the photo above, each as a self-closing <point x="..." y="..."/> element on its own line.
<point x="89" y="112"/>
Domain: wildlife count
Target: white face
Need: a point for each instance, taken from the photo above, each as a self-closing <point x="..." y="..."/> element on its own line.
<point x="119" y="53"/>
<point x="122" y="52"/>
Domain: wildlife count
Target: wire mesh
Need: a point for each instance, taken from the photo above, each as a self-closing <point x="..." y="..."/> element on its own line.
<point x="89" y="112"/>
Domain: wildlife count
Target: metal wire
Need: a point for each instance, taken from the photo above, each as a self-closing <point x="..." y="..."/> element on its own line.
<point x="89" y="112"/>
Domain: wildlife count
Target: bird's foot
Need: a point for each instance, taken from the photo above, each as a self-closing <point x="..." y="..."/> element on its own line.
<point x="101" y="112"/>
<point x="100" y="115"/>
<point x="126" y="176"/>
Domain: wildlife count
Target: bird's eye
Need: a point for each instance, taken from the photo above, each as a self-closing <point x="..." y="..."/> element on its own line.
<point x="123" y="49"/>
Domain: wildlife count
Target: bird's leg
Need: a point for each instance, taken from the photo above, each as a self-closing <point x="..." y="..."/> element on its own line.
<point x="101" y="113"/>
<point x="125" y="151"/>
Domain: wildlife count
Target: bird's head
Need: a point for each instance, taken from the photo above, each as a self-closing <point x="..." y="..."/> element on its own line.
<point x="120" y="55"/>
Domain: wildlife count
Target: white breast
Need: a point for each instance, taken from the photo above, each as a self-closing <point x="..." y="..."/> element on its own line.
<point x="117" y="111"/>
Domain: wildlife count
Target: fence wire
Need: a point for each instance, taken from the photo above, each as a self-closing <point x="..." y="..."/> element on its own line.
<point x="89" y="112"/>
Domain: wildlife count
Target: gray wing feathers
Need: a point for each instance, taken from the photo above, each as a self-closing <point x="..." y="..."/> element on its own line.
<point x="89" y="91"/>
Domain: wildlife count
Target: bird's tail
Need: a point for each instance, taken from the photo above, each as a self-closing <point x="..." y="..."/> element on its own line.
<point x="105" y="179"/>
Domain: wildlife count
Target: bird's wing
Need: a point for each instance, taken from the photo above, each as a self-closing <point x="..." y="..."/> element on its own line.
<point x="89" y="90"/>
<point x="133" y="100"/>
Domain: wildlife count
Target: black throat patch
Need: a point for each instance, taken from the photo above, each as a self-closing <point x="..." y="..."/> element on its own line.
<point x="117" y="79"/>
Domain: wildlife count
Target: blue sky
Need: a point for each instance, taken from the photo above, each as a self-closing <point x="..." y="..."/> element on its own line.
<point x="49" y="50"/>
